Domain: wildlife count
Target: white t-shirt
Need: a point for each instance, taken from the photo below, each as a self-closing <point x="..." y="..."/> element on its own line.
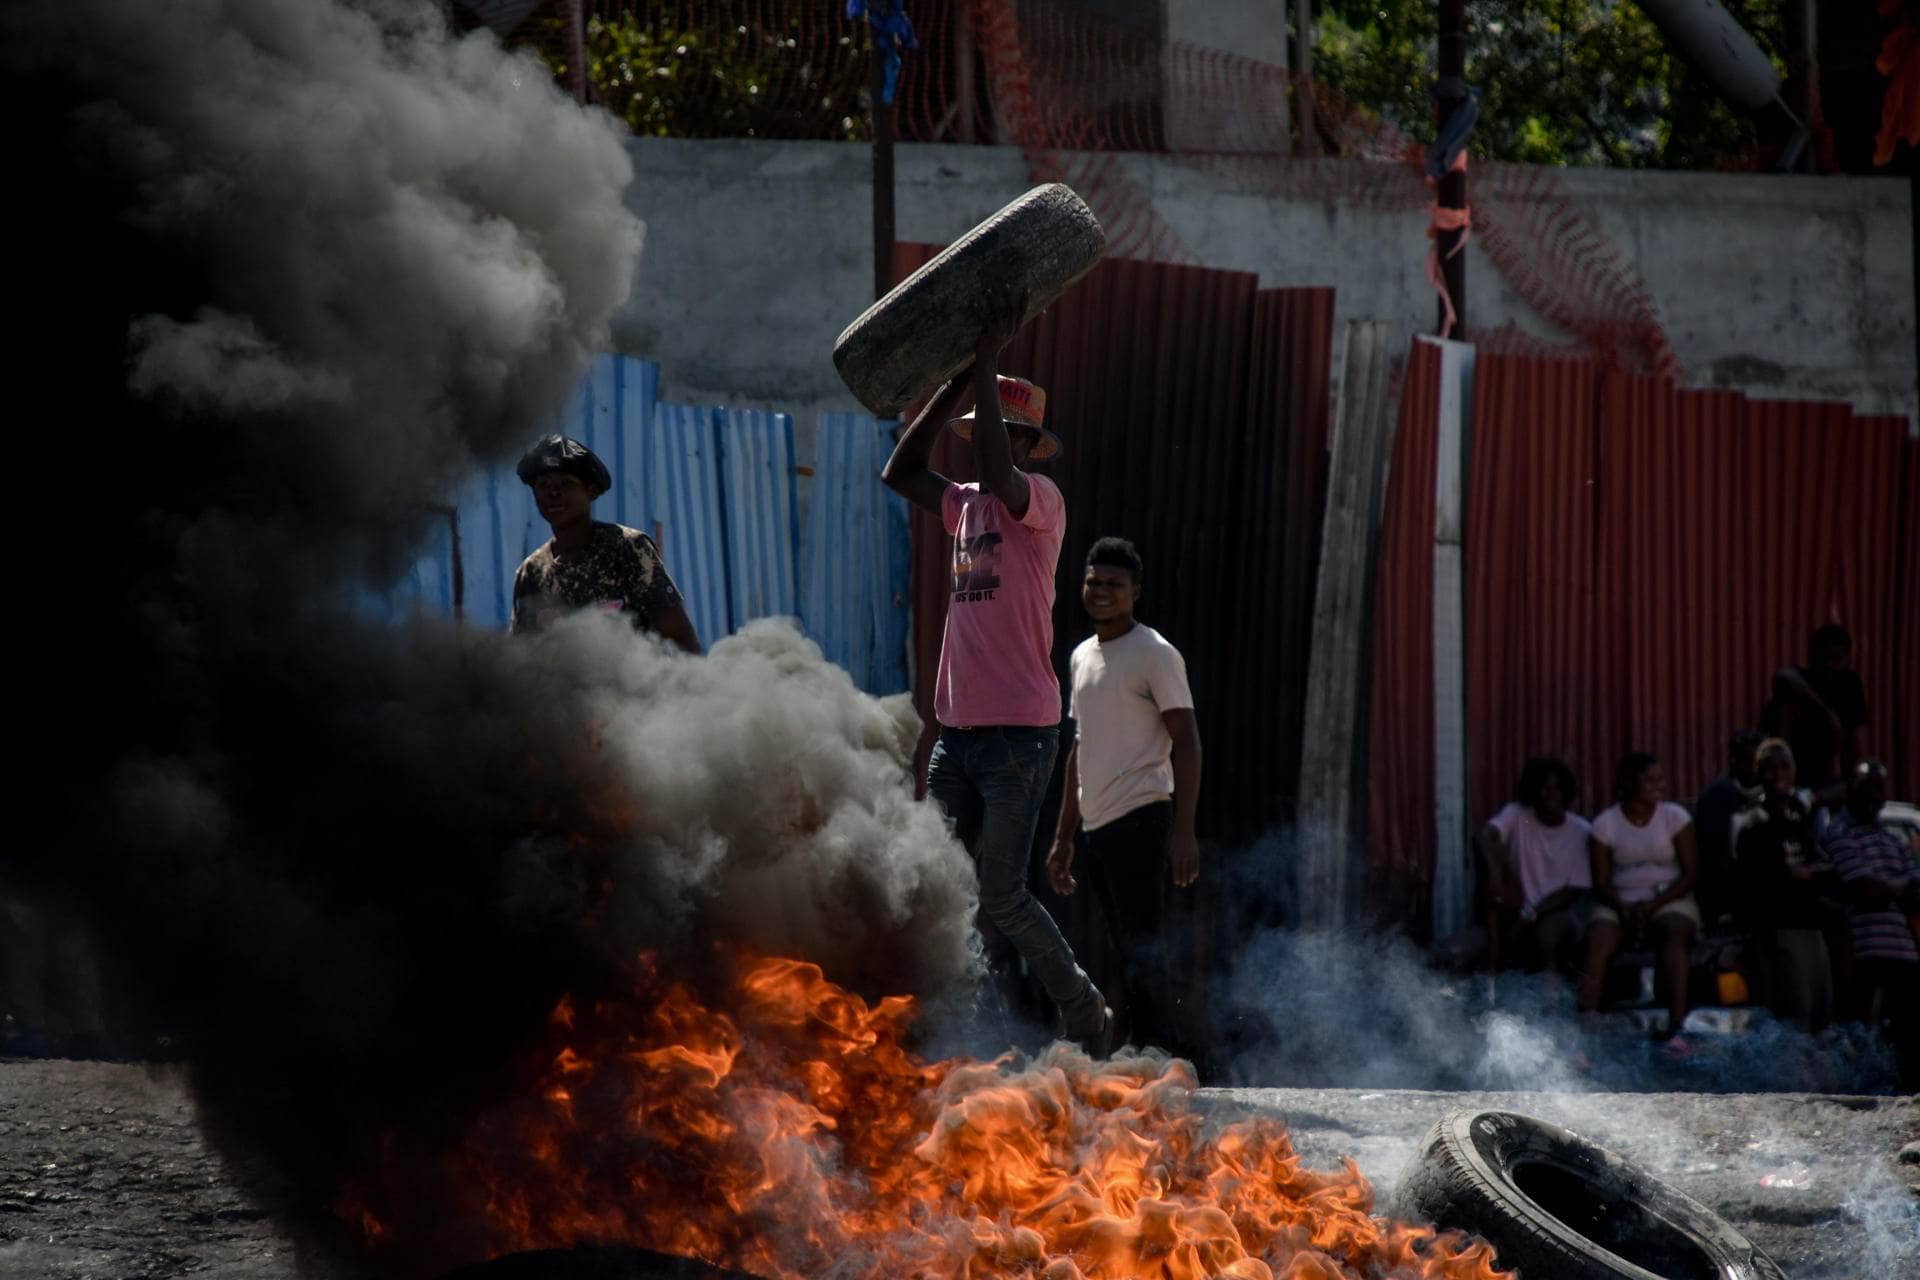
<point x="1546" y="858"/>
<point x="1644" y="861"/>
<point x="1120" y="687"/>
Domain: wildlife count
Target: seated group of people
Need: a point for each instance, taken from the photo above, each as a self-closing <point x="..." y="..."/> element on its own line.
<point x="1825" y="898"/>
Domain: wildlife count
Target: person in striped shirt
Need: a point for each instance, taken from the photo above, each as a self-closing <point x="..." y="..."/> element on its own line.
<point x="1883" y="900"/>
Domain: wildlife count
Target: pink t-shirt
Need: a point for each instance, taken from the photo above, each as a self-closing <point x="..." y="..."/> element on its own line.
<point x="996" y="657"/>
<point x="1548" y="859"/>
<point x="1644" y="859"/>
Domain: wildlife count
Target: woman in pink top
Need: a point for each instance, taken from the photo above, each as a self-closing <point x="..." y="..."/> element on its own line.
<point x="1538" y="868"/>
<point x="1644" y="865"/>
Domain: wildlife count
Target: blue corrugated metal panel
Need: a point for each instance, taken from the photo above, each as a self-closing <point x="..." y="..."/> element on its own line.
<point x="425" y="586"/>
<point x="639" y="392"/>
<point x="716" y="489"/>
<point x="432" y="577"/>
<point x="611" y="412"/>
<point x="756" y="454"/>
<point x="495" y="510"/>
<point x="854" y="557"/>
<point x="689" y="513"/>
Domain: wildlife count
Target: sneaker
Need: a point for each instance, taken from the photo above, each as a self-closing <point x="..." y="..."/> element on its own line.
<point x="1675" y="1047"/>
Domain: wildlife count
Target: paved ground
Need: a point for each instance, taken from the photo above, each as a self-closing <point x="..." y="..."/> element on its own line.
<point x="1816" y="1180"/>
<point x="104" y="1174"/>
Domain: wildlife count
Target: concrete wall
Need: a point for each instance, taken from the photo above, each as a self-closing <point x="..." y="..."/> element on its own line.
<point x="759" y="253"/>
<point x="1255" y="30"/>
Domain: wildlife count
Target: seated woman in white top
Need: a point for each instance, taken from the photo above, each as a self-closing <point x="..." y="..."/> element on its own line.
<point x="1644" y="865"/>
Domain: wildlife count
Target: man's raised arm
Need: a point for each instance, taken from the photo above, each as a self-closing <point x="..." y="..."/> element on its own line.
<point x="907" y="472"/>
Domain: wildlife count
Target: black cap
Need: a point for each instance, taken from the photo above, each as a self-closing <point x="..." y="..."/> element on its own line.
<point x="567" y="456"/>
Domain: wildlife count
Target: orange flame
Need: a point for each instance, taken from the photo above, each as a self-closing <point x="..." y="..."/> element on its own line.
<point x="792" y="1133"/>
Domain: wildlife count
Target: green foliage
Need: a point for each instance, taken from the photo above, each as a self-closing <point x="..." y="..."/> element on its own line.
<point x="1569" y="82"/>
<point x="714" y="76"/>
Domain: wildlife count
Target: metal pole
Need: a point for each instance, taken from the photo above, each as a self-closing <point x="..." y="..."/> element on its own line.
<point x="1283" y="107"/>
<point x="1450" y="92"/>
<point x="577" y="49"/>
<point x="1303" y="73"/>
<point x="1801" y="18"/>
<point x="882" y="169"/>
<point x="963" y="56"/>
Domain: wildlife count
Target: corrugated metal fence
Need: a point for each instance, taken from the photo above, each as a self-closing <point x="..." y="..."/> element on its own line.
<point x="854" y="581"/>
<point x="1399" y="773"/>
<point x="718" y="490"/>
<point x="1640" y="558"/>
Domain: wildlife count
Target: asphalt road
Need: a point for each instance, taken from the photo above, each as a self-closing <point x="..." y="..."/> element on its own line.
<point x="104" y="1173"/>
<point x="1816" y="1180"/>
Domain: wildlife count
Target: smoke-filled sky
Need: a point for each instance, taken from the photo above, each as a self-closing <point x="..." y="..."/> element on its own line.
<point x="289" y="269"/>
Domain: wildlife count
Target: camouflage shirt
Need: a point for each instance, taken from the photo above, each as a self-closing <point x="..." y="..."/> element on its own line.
<point x="619" y="570"/>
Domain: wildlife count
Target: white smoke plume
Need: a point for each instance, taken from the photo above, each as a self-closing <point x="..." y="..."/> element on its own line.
<point x="1320" y="1009"/>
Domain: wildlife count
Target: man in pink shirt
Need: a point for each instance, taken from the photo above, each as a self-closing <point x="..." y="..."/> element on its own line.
<point x="996" y="696"/>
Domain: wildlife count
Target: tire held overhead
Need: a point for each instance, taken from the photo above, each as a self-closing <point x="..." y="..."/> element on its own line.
<point x="923" y="332"/>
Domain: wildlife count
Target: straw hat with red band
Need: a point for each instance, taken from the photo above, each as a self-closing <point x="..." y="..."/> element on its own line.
<point x="1022" y="404"/>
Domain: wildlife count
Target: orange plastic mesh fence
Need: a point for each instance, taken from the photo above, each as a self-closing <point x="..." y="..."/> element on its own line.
<point x="1077" y="93"/>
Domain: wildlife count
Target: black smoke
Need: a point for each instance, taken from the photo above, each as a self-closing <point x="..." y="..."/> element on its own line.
<point x="285" y="270"/>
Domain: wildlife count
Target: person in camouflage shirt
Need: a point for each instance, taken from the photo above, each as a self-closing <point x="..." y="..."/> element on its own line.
<point x="590" y="563"/>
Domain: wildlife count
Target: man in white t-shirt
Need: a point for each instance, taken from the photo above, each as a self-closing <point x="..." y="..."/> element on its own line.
<point x="1538" y="865"/>
<point x="1133" y="782"/>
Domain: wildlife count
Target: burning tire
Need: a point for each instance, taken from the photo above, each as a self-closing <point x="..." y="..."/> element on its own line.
<point x="924" y="330"/>
<point x="1554" y="1205"/>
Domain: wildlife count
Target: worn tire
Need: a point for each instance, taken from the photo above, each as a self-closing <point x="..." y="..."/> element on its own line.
<point x="1557" y="1207"/>
<point x="924" y="330"/>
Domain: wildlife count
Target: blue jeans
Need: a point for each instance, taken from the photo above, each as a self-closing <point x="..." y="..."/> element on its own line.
<point x="991" y="783"/>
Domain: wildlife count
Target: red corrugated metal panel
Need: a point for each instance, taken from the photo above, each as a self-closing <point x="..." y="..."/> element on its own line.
<point x="928" y="565"/>
<point x="1640" y="559"/>
<point x="1529" y="582"/>
<point x="1666" y="673"/>
<point x="1879" y="576"/>
<point x="1399" y="770"/>
<point x="1284" y="466"/>
<point x="1727" y="531"/>
<point x="1193" y="407"/>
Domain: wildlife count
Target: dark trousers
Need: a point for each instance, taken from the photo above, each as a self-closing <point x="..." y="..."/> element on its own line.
<point x="991" y="783"/>
<point x="1793" y="975"/>
<point x="1126" y="863"/>
<point x="1892" y="987"/>
<point x="1553" y="941"/>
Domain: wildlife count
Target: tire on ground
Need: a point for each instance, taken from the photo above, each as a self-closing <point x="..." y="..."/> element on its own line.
<point x="923" y="332"/>
<point x="1554" y="1205"/>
